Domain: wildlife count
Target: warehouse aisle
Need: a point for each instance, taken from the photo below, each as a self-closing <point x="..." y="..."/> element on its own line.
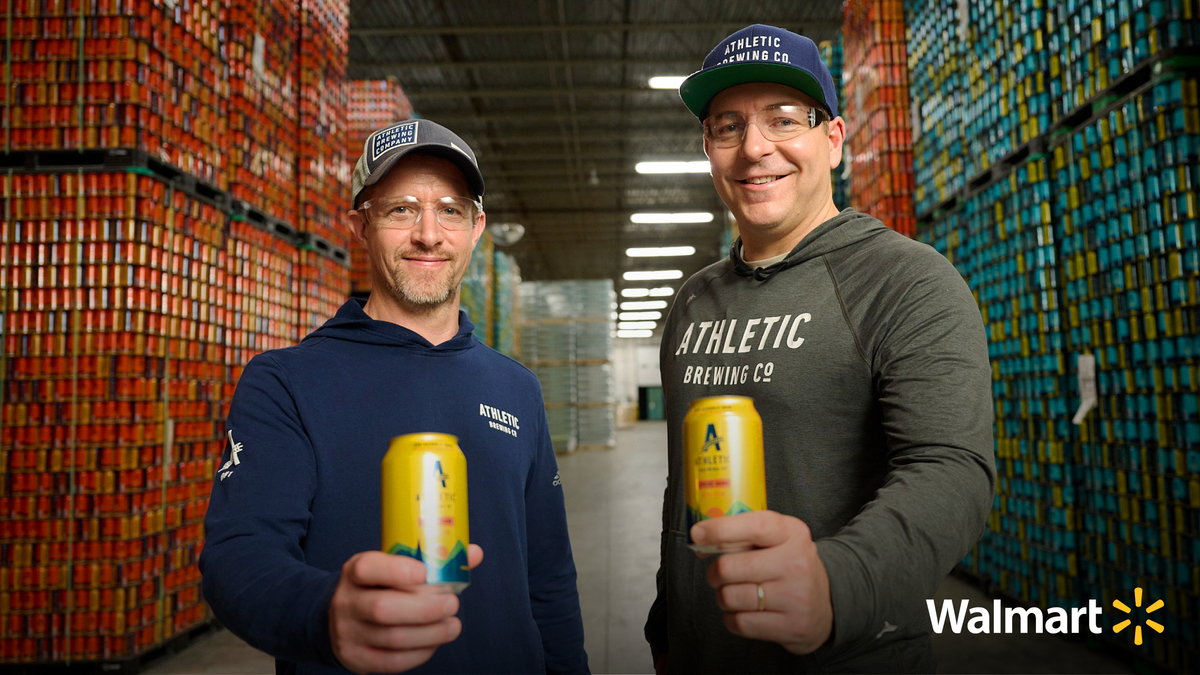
<point x="614" y="502"/>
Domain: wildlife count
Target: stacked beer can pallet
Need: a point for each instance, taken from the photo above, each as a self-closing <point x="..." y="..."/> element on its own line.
<point x="939" y="94"/>
<point x="506" y="278"/>
<point x="323" y="280"/>
<point x="264" y="50"/>
<point x="476" y="297"/>
<point x="987" y="125"/>
<point x="1132" y="270"/>
<point x="114" y="381"/>
<point x="371" y="105"/>
<point x="324" y="170"/>
<point x="125" y="75"/>
<point x="832" y="52"/>
<point x="878" y="119"/>
<point x="1080" y="243"/>
<point x="566" y="336"/>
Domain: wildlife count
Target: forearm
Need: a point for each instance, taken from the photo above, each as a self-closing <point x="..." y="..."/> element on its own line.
<point x="894" y="553"/>
<point x="275" y="602"/>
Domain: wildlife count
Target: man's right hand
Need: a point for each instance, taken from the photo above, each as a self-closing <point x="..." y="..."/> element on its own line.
<point x="382" y="621"/>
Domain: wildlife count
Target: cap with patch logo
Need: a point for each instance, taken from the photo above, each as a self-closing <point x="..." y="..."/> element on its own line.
<point x="760" y="53"/>
<point x="384" y="147"/>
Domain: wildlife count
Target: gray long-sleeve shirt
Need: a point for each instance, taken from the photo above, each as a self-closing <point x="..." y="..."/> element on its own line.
<point x="865" y="355"/>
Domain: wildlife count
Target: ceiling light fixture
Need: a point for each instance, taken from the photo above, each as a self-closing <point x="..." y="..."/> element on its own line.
<point x="637" y="325"/>
<point x="644" y="304"/>
<point x="660" y="251"/>
<point x="667" y="81"/>
<point x="652" y="275"/>
<point x="671" y="218"/>
<point x="700" y="166"/>
<point x="662" y="292"/>
<point x="639" y="316"/>
<point x="635" y="292"/>
<point x="634" y="333"/>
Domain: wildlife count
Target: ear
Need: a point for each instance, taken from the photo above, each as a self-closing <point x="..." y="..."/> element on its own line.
<point x="477" y="231"/>
<point x="358" y="226"/>
<point x="837" y="137"/>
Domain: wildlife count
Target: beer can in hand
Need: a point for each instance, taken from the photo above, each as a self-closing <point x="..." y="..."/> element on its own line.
<point x="723" y="469"/>
<point x="425" y="507"/>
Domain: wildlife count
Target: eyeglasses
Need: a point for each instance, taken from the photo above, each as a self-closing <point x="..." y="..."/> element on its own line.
<point x="776" y="123"/>
<point x="403" y="213"/>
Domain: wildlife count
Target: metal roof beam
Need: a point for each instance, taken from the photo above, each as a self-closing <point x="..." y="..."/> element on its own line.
<point x="693" y="61"/>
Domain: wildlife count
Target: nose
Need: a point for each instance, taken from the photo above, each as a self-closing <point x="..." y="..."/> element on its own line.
<point x="428" y="231"/>
<point x="754" y="144"/>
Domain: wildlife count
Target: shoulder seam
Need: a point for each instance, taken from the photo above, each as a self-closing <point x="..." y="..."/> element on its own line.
<point x="837" y="291"/>
<point x="291" y="392"/>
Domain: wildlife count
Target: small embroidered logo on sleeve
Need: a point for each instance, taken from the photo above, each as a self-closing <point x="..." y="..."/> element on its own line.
<point x="557" y="480"/>
<point x="235" y="449"/>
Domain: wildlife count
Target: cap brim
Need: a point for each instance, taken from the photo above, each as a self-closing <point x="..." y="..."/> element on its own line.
<point x="470" y="171"/>
<point x="699" y="89"/>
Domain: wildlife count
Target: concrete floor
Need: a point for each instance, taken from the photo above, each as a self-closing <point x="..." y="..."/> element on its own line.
<point x="617" y="496"/>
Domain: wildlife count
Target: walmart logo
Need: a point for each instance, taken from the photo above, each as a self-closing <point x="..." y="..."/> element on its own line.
<point x="711" y="439"/>
<point x="1137" y="602"/>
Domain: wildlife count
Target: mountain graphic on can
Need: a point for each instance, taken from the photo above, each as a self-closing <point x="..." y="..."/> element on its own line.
<point x="723" y="469"/>
<point x="425" y="507"/>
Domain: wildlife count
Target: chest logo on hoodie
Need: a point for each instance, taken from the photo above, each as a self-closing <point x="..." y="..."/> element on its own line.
<point x="716" y="338"/>
<point x="500" y="420"/>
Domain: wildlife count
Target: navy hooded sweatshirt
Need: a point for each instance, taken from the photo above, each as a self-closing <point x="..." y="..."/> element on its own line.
<point x="299" y="494"/>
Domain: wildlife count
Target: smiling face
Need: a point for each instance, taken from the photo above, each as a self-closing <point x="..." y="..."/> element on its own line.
<point x="420" y="268"/>
<point x="775" y="190"/>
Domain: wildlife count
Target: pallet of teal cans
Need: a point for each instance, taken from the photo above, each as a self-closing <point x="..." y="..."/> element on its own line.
<point x="986" y="125"/>
<point x="939" y="96"/>
<point x="1128" y="181"/>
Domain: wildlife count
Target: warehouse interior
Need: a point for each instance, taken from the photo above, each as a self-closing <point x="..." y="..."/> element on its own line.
<point x="175" y="176"/>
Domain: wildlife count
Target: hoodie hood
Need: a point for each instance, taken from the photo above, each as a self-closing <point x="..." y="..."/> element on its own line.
<point x="845" y="229"/>
<point x="351" y="323"/>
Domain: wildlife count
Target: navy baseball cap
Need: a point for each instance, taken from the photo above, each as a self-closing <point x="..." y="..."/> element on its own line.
<point x="385" y="147"/>
<point x="760" y="53"/>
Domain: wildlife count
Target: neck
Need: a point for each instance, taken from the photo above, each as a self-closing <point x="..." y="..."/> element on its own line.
<point x="760" y="245"/>
<point x="435" y="324"/>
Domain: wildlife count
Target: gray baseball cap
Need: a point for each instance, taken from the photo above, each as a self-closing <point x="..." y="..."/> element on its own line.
<point x="384" y="147"/>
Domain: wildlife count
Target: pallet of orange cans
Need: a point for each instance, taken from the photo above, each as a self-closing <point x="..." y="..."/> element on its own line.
<point x="323" y="277"/>
<point x="136" y="75"/>
<point x="324" y="167"/>
<point x="878" y="125"/>
<point x="113" y="377"/>
<point x="263" y="298"/>
<point x="371" y="105"/>
<point x="263" y="117"/>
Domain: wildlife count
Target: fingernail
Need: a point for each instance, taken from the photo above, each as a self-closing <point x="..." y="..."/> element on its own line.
<point x="450" y="606"/>
<point x="697" y="534"/>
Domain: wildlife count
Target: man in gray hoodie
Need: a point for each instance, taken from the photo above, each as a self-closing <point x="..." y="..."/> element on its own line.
<point x="865" y="354"/>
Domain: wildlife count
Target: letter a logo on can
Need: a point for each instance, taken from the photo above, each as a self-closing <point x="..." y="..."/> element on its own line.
<point x="711" y="439"/>
<point x="437" y="466"/>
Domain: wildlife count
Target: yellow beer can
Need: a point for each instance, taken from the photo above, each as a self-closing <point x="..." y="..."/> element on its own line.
<point x="425" y="507"/>
<point x="723" y="469"/>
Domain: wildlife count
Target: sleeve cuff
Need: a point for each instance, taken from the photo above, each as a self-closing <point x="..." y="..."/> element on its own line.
<point x="850" y="592"/>
<point x="319" y="637"/>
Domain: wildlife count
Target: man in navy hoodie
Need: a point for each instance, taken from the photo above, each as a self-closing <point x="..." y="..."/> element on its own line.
<point x="292" y="562"/>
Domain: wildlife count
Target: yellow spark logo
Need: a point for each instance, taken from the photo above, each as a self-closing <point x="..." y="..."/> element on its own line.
<point x="1137" y="602"/>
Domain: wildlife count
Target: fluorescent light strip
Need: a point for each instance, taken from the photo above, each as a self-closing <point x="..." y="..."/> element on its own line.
<point x="692" y="166"/>
<point x="667" y="81"/>
<point x="660" y="251"/>
<point x="635" y="333"/>
<point x="643" y="304"/>
<point x="635" y="292"/>
<point x="671" y="218"/>
<point x="639" y="316"/>
<point x="662" y="292"/>
<point x="637" y="325"/>
<point x="652" y="275"/>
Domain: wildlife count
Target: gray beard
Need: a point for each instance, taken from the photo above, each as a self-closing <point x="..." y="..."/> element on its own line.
<point x="410" y="294"/>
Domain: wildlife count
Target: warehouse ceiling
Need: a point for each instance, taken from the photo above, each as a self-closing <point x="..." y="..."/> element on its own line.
<point x="553" y="96"/>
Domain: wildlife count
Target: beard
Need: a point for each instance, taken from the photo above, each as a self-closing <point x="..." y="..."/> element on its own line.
<point x="422" y="290"/>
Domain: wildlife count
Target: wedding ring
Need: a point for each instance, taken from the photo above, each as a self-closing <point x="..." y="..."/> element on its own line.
<point x="762" y="597"/>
